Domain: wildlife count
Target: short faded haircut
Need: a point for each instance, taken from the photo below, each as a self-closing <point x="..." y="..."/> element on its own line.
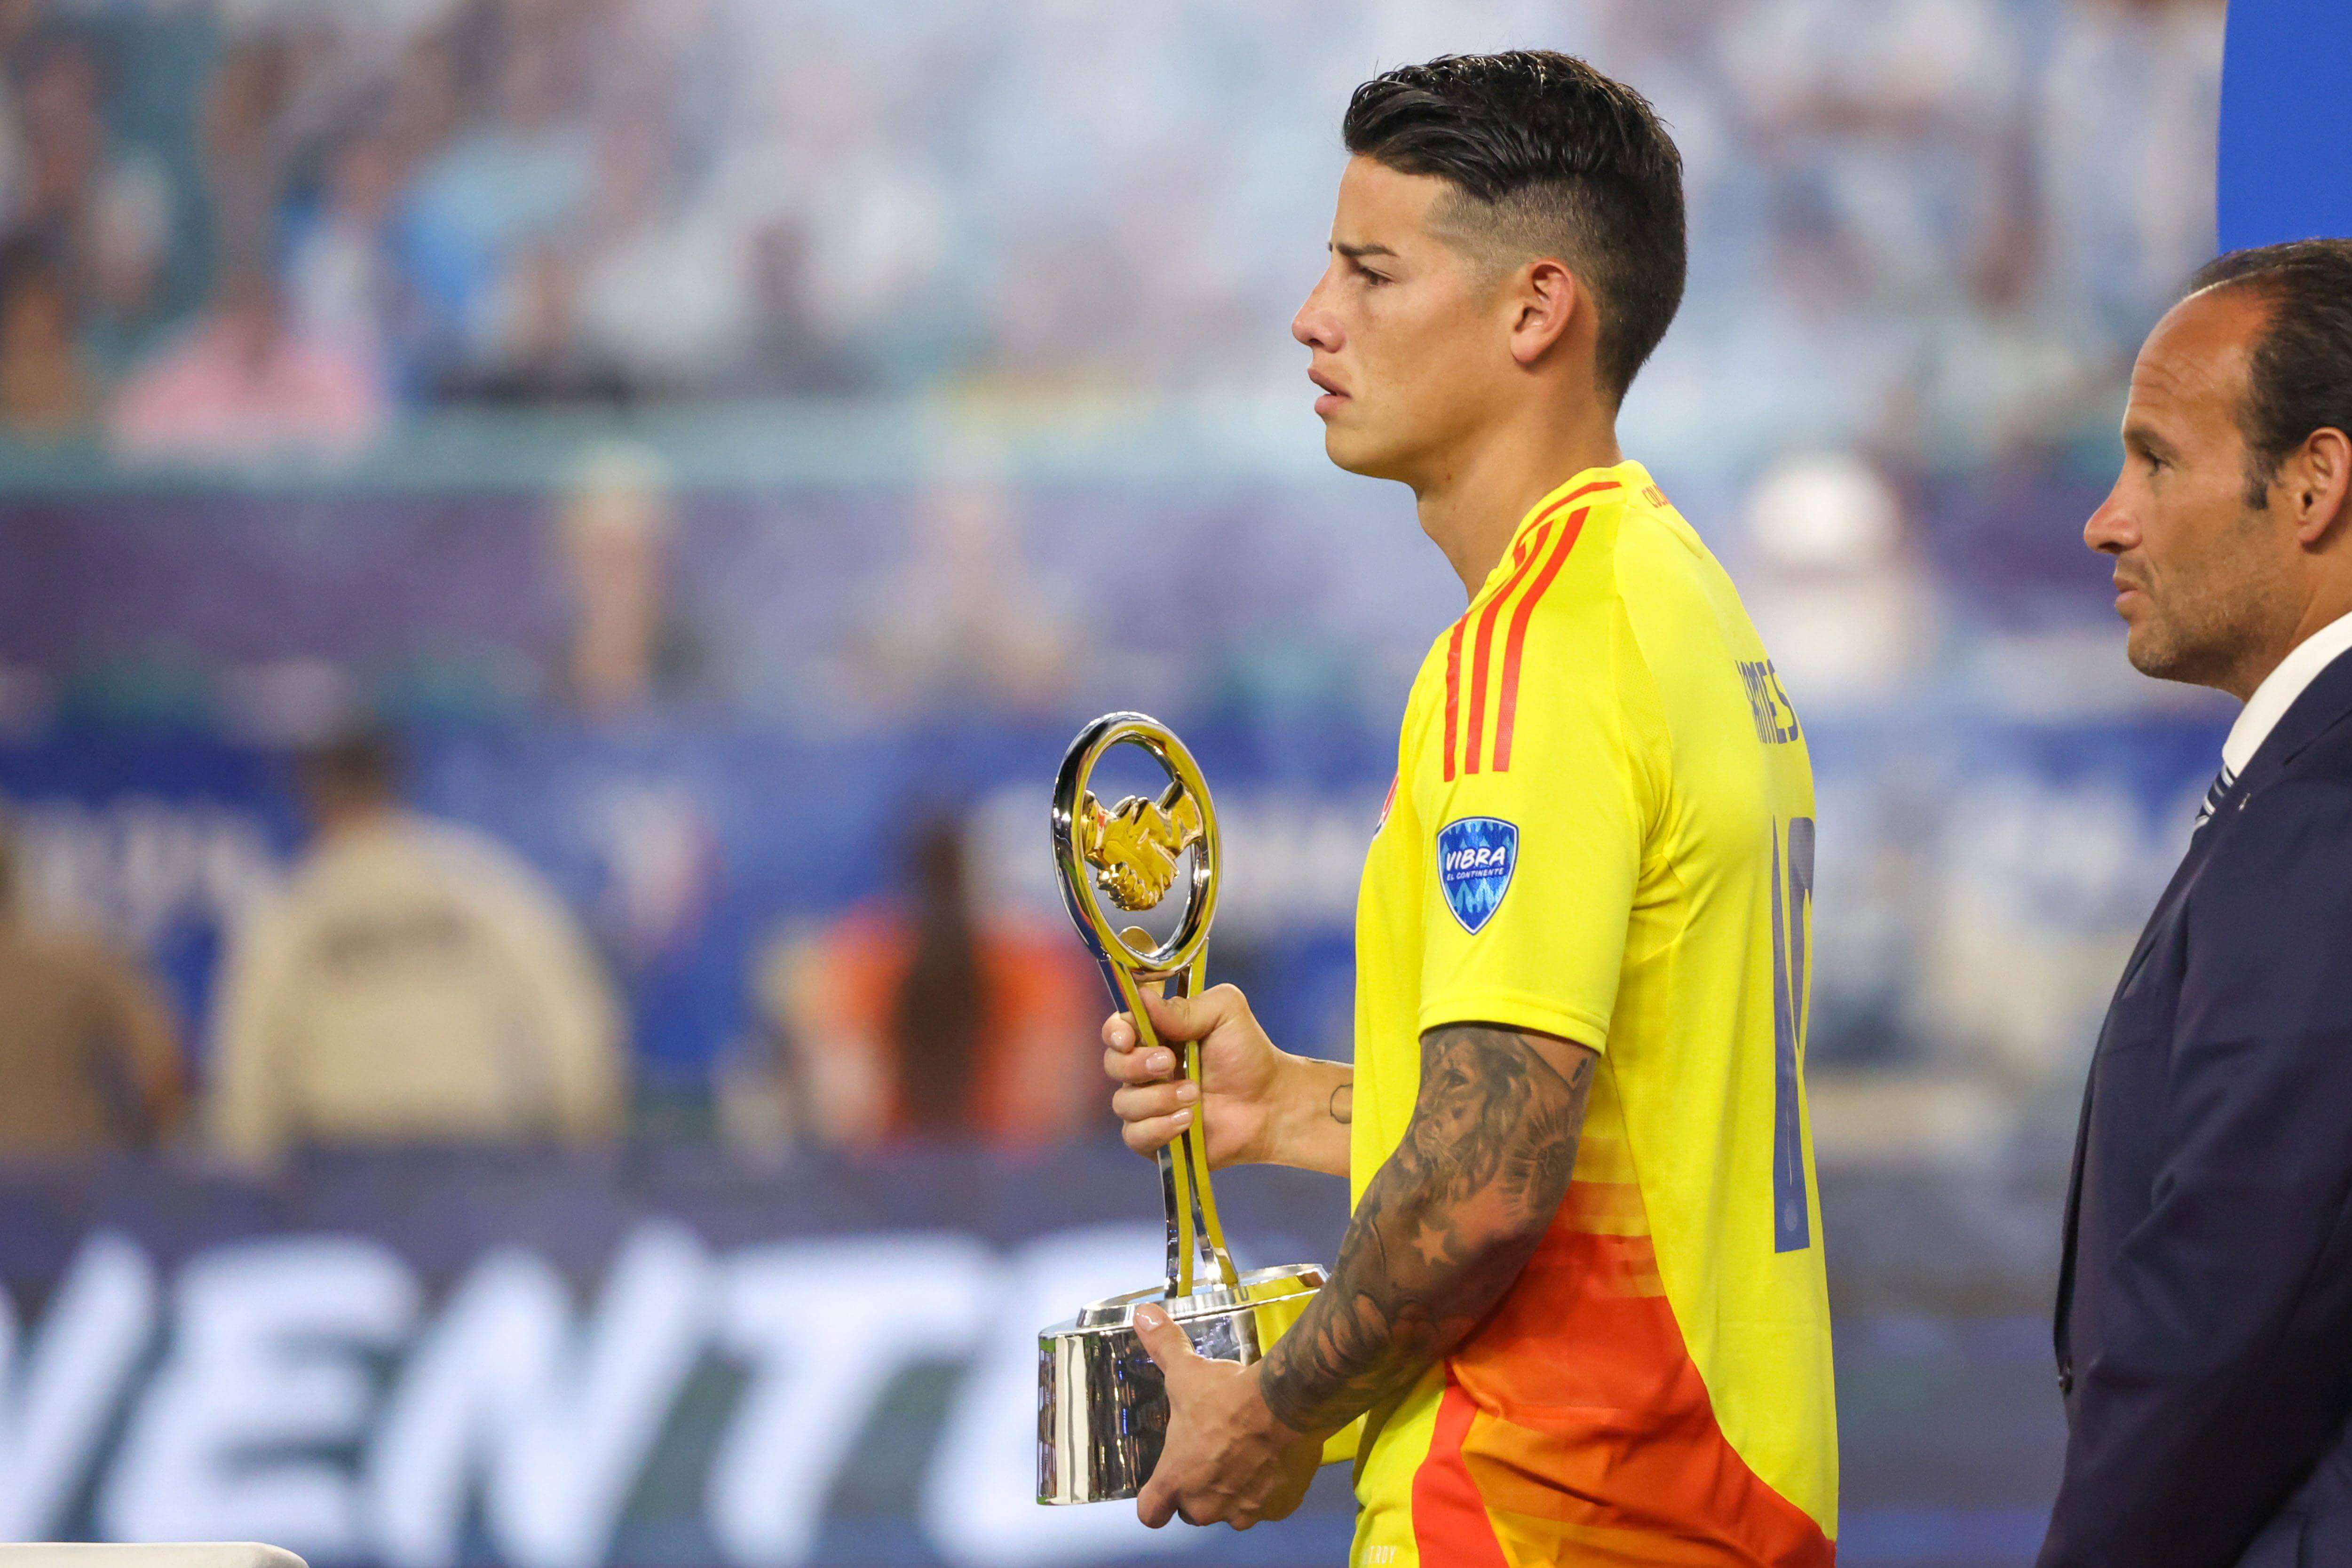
<point x="1547" y="157"/>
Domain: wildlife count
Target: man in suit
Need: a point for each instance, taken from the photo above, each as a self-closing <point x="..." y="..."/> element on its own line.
<point x="2204" y="1322"/>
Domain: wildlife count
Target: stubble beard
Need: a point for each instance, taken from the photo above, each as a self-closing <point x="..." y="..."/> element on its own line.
<point x="2208" y="635"/>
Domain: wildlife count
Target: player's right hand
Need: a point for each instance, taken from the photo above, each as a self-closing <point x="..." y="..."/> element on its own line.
<point x="1240" y="1073"/>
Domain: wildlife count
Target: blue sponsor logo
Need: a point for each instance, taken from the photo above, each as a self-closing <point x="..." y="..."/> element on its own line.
<point x="1475" y="856"/>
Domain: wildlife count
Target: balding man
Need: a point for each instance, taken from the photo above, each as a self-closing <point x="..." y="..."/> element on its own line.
<point x="2204" y="1323"/>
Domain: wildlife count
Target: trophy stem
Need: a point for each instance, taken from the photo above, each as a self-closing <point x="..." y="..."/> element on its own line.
<point x="1179" y="1253"/>
<point x="1189" y="1200"/>
<point x="1208" y="1232"/>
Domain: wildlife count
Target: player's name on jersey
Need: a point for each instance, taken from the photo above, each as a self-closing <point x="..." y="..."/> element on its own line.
<point x="1775" y="721"/>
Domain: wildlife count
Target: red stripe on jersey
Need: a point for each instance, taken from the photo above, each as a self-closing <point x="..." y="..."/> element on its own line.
<point x="1453" y="691"/>
<point x="1518" y="546"/>
<point x="1582" y="490"/>
<point x="1534" y="540"/>
<point x="1507" y="709"/>
<point x="1449" y="1518"/>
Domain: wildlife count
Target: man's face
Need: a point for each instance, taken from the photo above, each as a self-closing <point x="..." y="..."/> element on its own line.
<point x="1409" y="345"/>
<point x="2200" y="577"/>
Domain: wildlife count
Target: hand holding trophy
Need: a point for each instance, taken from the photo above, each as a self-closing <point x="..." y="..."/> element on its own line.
<point x="1102" y="1404"/>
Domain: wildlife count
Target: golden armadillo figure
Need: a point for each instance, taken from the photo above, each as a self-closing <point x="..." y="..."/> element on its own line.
<point x="1135" y="844"/>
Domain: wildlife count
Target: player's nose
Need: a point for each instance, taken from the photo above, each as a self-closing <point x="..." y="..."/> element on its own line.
<point x="1317" y="325"/>
<point x="2112" y="529"/>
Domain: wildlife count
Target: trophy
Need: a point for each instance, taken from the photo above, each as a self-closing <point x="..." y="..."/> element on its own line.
<point x="1102" y="1405"/>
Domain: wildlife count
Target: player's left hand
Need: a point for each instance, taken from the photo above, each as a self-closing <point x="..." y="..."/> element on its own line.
<point x="1228" y="1459"/>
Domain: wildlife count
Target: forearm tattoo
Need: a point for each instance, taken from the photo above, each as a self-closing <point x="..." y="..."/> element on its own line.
<point x="1343" y="1103"/>
<point x="1444" y="1228"/>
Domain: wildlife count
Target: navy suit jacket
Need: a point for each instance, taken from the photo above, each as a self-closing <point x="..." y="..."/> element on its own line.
<point x="2204" y="1323"/>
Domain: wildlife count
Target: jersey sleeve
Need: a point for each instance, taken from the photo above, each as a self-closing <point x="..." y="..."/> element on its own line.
<point x="1538" y="813"/>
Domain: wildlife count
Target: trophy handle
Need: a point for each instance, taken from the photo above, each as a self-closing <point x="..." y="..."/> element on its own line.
<point x="1187" y="1195"/>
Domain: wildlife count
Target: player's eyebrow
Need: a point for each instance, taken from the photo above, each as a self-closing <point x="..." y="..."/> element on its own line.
<point x="1358" y="252"/>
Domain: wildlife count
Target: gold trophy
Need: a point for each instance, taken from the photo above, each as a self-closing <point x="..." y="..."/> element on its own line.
<point x="1102" y="1405"/>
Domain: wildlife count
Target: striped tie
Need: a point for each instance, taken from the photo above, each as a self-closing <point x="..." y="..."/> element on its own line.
<point x="2222" y="783"/>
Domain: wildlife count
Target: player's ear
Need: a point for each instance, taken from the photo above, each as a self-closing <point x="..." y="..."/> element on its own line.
<point x="1544" y="297"/>
<point x="2318" y="481"/>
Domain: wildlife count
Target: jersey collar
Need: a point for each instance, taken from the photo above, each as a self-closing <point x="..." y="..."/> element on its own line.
<point x="1592" y="485"/>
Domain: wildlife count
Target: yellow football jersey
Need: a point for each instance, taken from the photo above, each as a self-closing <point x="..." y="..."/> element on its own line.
<point x="1602" y="829"/>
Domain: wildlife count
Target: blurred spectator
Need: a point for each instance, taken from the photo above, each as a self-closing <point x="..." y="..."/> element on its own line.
<point x="130" y="234"/>
<point x="244" y="103"/>
<point x="247" y="383"/>
<point x="2130" y="97"/>
<point x="45" y="382"/>
<point x="789" y="349"/>
<point x="340" y="282"/>
<point x="1893" y="114"/>
<point x="963" y="617"/>
<point x="665" y="295"/>
<point x="832" y="177"/>
<point x="615" y="532"/>
<point x="84" y="229"/>
<point x="415" y="983"/>
<point x="927" y="1016"/>
<point x="88" y="1047"/>
<point x="487" y="209"/>
<point x="1832" y="583"/>
<point x="64" y="145"/>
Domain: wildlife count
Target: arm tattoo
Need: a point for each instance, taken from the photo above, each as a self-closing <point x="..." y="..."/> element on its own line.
<point x="1444" y="1228"/>
<point x="1343" y="1103"/>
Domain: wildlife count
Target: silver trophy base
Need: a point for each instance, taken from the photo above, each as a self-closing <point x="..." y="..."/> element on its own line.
<point x="1102" y="1405"/>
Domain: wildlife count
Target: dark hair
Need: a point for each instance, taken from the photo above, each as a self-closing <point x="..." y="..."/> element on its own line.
<point x="2299" y="377"/>
<point x="1552" y="156"/>
<point x="940" y="1013"/>
<point x="359" y="765"/>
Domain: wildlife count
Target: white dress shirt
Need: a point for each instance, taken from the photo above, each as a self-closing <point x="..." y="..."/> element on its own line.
<point x="2279" y="689"/>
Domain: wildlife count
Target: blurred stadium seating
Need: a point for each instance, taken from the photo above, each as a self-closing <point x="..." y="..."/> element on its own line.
<point x="727" y="440"/>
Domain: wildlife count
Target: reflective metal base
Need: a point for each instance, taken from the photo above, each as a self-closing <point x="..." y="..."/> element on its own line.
<point x="1102" y="1406"/>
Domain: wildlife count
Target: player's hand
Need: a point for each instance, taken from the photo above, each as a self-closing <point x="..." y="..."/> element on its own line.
<point x="1227" y="1460"/>
<point x="1240" y="1070"/>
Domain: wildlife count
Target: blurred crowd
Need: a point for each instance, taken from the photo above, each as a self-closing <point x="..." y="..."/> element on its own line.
<point x="262" y="226"/>
<point x="414" y="982"/>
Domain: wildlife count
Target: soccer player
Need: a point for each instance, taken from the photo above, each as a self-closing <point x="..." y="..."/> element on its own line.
<point x="1580" y="1304"/>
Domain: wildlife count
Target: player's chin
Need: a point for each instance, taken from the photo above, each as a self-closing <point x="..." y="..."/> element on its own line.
<point x="2148" y="660"/>
<point x="2152" y="653"/>
<point x="1350" y="448"/>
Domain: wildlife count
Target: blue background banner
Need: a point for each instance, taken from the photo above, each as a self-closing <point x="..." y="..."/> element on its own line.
<point x="2285" y="167"/>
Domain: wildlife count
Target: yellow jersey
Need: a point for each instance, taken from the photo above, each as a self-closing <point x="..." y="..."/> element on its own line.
<point x="1602" y="828"/>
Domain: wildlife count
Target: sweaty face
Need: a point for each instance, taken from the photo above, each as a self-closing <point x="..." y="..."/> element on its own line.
<point x="1409" y="352"/>
<point x="2198" y="572"/>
